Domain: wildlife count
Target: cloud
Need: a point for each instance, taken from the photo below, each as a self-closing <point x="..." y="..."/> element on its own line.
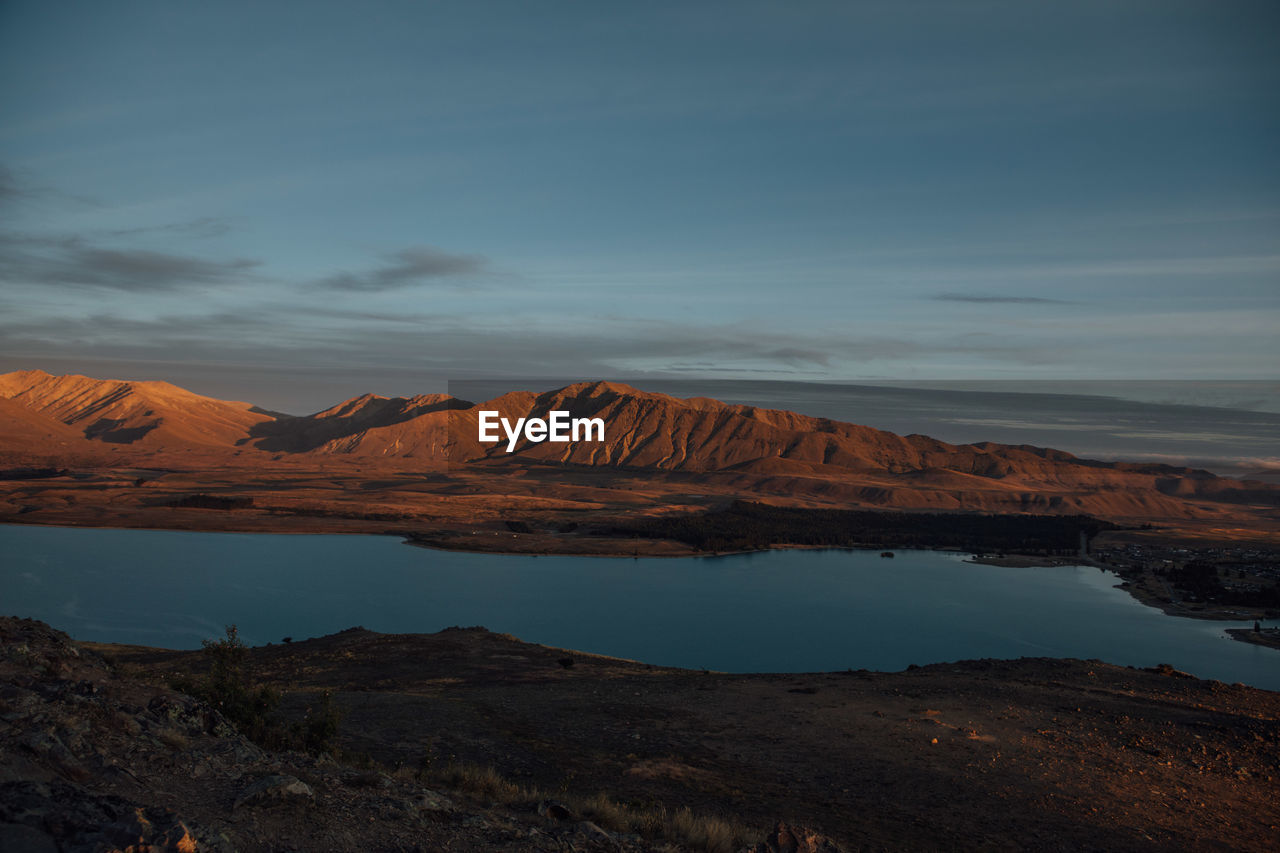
<point x="16" y="187"/>
<point x="798" y="355"/>
<point x="466" y="344"/>
<point x="407" y="267"/>
<point x="52" y="259"/>
<point x="205" y="226"/>
<point x="991" y="299"/>
<point x="69" y="261"/>
<point x="310" y="366"/>
<point x="385" y="351"/>
<point x="9" y="188"/>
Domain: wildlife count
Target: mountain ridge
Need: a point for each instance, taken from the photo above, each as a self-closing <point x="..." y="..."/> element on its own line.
<point x="755" y="450"/>
<point x="128" y="411"/>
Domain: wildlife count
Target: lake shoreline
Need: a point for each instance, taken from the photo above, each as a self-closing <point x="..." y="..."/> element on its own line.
<point x="1143" y="590"/>
<point x="535" y="544"/>
<point x="1267" y="638"/>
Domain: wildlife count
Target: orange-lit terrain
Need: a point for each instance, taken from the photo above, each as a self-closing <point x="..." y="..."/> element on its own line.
<point x="127" y="453"/>
<point x="82" y="451"/>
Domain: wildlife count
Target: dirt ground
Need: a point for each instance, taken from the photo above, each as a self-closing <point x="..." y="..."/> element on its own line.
<point x="1027" y="754"/>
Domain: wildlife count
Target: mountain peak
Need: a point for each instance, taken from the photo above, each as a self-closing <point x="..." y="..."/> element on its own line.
<point x="347" y="408"/>
<point x="600" y="387"/>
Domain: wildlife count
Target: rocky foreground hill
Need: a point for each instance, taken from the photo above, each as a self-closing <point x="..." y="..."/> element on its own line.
<point x="94" y="760"/>
<point x="469" y="740"/>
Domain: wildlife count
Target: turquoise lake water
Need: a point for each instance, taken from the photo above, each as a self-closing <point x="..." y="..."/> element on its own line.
<point x="777" y="611"/>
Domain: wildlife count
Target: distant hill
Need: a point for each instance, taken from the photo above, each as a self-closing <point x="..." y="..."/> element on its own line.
<point x="149" y="414"/>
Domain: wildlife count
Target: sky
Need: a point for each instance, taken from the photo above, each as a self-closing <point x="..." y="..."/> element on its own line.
<point x="294" y="202"/>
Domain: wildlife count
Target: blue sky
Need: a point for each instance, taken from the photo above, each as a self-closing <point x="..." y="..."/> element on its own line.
<point x="385" y="196"/>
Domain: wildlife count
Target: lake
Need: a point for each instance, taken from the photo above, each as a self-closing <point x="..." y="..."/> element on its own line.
<point x="776" y="611"/>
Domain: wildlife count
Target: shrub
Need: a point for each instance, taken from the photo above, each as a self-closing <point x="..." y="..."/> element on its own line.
<point x="229" y="687"/>
<point x="320" y="728"/>
<point x="251" y="707"/>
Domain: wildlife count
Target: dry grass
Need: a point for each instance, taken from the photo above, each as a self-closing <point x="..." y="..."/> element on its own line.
<point x="487" y="783"/>
<point x="693" y="831"/>
<point x="607" y="813"/>
<point x="705" y="832"/>
<point x="698" y="832"/>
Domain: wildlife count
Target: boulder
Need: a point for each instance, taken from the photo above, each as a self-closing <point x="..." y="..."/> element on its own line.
<point x="276" y="790"/>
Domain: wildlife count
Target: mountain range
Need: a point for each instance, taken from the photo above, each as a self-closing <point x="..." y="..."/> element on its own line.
<point x="654" y="438"/>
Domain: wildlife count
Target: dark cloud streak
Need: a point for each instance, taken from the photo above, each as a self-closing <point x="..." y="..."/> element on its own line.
<point x="70" y="262"/>
<point x="9" y="188"/>
<point x="466" y="344"/>
<point x="408" y="267"/>
<point x="205" y="226"/>
<point x="985" y="299"/>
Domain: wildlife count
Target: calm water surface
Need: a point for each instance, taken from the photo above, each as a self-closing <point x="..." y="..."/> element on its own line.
<point x="781" y="611"/>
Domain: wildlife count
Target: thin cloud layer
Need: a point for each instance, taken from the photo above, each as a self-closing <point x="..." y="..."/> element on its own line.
<point x="9" y="188"/>
<point x="407" y="267"/>
<point x="994" y="299"/>
<point x="70" y="262"/>
<point x="467" y="344"/>
<point x="205" y="226"/>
